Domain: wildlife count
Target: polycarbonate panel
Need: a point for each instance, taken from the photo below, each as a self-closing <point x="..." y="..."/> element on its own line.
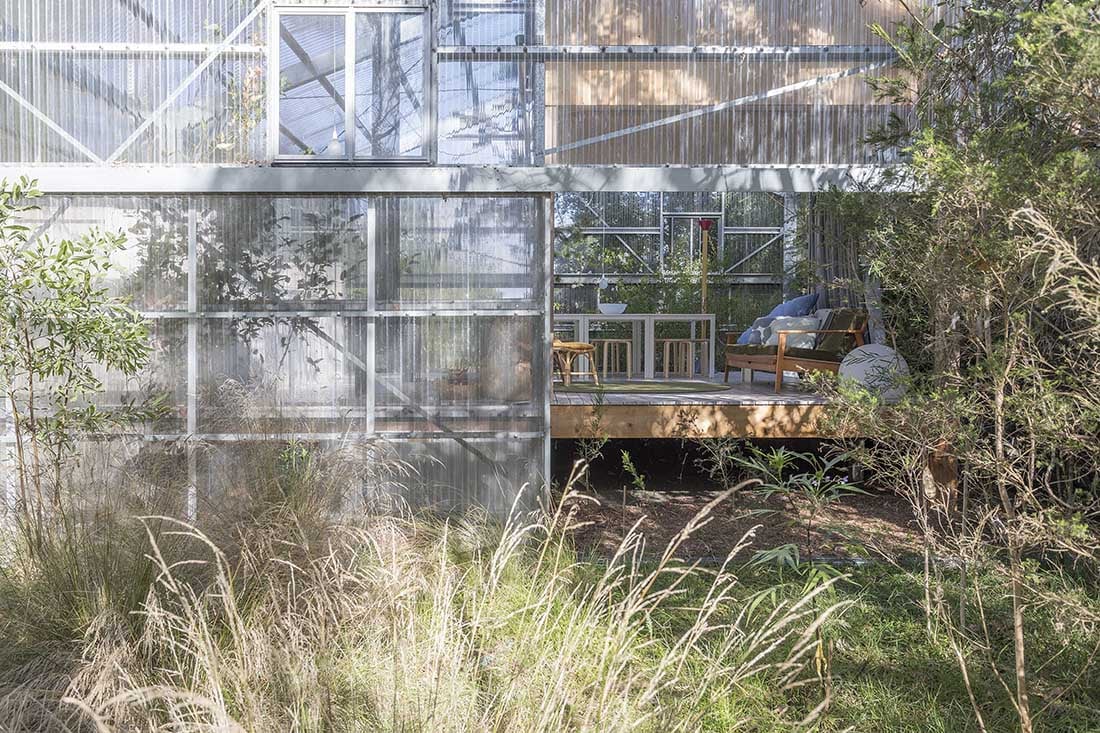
<point x="150" y="269"/>
<point x="726" y="109"/>
<point x="496" y="473"/>
<point x="488" y="114"/>
<point x="266" y="324"/>
<point x="288" y="253"/>
<point x="479" y="253"/>
<point x="717" y="22"/>
<point x="490" y="22"/>
<point x="127" y="88"/>
<point x="120" y="82"/>
<point x="122" y="21"/>
<point x="468" y="374"/>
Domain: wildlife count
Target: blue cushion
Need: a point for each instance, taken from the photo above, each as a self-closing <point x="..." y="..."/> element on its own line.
<point x="800" y="306"/>
<point x="754" y="334"/>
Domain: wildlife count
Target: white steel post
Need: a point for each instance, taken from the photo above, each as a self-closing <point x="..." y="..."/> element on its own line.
<point x="791" y="254"/>
<point x="191" y="505"/>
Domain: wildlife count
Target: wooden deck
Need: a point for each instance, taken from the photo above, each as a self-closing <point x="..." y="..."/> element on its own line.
<point x="744" y="411"/>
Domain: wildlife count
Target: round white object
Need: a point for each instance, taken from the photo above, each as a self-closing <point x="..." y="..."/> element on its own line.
<point x="612" y="309"/>
<point x="878" y="368"/>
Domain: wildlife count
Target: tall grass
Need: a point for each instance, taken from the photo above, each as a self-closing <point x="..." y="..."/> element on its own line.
<point x="299" y="618"/>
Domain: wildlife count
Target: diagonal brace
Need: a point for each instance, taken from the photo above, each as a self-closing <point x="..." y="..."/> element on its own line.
<point x="210" y="58"/>
<point x="740" y="101"/>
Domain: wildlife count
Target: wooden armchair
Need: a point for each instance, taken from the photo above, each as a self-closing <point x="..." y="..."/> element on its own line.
<point x="843" y="328"/>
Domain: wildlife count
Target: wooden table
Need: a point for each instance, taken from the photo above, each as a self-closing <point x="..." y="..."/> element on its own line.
<point x="644" y="332"/>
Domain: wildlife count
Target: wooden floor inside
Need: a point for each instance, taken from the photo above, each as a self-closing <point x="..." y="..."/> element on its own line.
<point x="743" y="410"/>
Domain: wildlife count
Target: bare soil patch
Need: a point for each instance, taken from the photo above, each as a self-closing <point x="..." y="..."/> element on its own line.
<point x="875" y="524"/>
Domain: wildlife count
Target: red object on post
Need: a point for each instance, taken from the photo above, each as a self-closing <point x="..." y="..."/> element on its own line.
<point x="706" y="224"/>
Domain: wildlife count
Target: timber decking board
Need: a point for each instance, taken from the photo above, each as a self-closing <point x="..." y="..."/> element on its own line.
<point x="760" y="392"/>
<point x="742" y="411"/>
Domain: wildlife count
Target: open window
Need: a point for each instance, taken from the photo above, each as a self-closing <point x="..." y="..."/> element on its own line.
<point x="350" y="84"/>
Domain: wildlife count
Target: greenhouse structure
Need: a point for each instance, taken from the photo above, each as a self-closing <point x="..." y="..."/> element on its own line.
<point x="355" y="222"/>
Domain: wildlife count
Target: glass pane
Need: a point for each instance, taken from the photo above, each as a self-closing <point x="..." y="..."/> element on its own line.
<point x="311" y="85"/>
<point x="389" y="85"/>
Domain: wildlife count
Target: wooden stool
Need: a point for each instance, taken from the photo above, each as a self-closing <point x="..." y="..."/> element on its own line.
<point x="566" y="352"/>
<point x="705" y="357"/>
<point x="614" y="347"/>
<point x="680" y="351"/>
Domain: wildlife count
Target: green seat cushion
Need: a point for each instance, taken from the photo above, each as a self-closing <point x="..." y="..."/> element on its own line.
<point x="751" y="350"/>
<point x="815" y="354"/>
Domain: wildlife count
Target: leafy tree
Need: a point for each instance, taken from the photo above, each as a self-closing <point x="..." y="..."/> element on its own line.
<point x="988" y="268"/>
<point x="61" y="331"/>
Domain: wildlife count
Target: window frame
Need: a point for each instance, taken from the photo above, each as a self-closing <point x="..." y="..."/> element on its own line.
<point x="349" y="12"/>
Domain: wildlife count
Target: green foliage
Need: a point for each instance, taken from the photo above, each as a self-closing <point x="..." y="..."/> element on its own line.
<point x="807" y="484"/>
<point x="989" y="279"/>
<point x="60" y="331"/>
<point x="637" y="480"/>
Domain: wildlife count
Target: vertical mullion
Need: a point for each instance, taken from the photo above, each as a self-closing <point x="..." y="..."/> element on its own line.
<point x="431" y="86"/>
<point x="273" y="45"/>
<point x="192" y="361"/>
<point x="372" y="307"/>
<point x="546" y="240"/>
<point x="349" y="85"/>
<point x="789" y="243"/>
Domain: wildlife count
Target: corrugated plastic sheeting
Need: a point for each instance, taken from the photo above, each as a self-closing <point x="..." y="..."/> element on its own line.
<point x="489" y="109"/>
<point x="100" y="97"/>
<point x="122" y="21"/>
<point x="283" y="325"/>
<point x="716" y="22"/>
<point x="709" y="109"/>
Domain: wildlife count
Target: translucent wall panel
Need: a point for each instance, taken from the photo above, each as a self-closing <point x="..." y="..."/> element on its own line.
<point x="533" y="82"/>
<point x="460" y="373"/>
<point x="491" y="22"/>
<point x="336" y="320"/>
<point x="727" y="109"/>
<point x="459" y="253"/>
<point x="717" y="22"/>
<point x="488" y="112"/>
<point x="132" y="82"/>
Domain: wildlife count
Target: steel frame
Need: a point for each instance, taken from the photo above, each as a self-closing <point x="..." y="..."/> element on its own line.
<point x="432" y="180"/>
<point x="650" y="53"/>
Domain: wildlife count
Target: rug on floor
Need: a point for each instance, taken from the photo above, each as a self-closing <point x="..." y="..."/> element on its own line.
<point x="642" y="386"/>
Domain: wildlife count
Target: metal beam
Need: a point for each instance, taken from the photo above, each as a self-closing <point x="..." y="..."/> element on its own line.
<point x="670" y="53"/>
<point x="713" y="108"/>
<point x="641" y="278"/>
<point x="584" y="202"/>
<point x="129" y="49"/>
<point x="472" y="180"/>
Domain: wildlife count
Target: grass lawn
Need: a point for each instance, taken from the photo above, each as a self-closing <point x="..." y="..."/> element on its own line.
<point x="889" y="674"/>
